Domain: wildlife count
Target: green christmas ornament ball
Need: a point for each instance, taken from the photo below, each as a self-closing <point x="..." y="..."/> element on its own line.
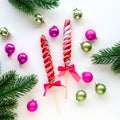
<point x="100" y="89"/>
<point x="81" y="95"/>
<point x="86" y="46"/>
<point x="77" y="14"/>
<point x="38" y="18"/>
<point x="4" y="32"/>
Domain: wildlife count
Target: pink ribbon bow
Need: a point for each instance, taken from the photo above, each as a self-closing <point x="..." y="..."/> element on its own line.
<point x="47" y="86"/>
<point x="71" y="69"/>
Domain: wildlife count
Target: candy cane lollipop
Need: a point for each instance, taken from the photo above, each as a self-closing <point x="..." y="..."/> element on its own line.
<point x="48" y="65"/>
<point x="47" y="59"/>
<point x="67" y="42"/>
<point x="67" y="53"/>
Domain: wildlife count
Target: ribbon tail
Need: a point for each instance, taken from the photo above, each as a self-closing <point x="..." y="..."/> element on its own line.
<point x="46" y="87"/>
<point x="44" y="94"/>
<point x="75" y="76"/>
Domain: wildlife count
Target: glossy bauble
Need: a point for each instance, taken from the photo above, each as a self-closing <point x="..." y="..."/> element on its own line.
<point x="9" y="49"/>
<point x="77" y="14"/>
<point x="32" y="106"/>
<point x="100" y="89"/>
<point x="86" y="46"/>
<point x="81" y="95"/>
<point x="39" y="18"/>
<point x="22" y="58"/>
<point x="90" y="34"/>
<point x="54" y="31"/>
<point x="87" y="77"/>
<point x="4" y="32"/>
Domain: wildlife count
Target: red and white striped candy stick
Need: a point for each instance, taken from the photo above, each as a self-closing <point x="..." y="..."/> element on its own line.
<point x="48" y="65"/>
<point x="47" y="59"/>
<point x="67" y="53"/>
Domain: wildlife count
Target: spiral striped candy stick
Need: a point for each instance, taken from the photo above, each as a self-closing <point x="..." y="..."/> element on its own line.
<point x="48" y="65"/>
<point x="67" y="49"/>
<point x="67" y="39"/>
<point x="67" y="56"/>
<point x="67" y="42"/>
<point x="47" y="59"/>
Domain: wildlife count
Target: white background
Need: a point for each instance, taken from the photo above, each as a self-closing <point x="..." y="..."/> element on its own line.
<point x="100" y="15"/>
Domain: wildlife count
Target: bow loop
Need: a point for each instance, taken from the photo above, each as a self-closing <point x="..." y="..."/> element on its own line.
<point x="72" y="71"/>
<point x="47" y="86"/>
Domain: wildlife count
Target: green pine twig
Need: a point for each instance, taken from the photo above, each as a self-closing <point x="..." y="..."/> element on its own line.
<point x="18" y="88"/>
<point x="26" y="6"/>
<point x="109" y="56"/>
<point x="12" y="86"/>
<point x="30" y="6"/>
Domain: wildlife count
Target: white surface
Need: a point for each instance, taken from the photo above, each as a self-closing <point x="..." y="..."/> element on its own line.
<point x="100" y="15"/>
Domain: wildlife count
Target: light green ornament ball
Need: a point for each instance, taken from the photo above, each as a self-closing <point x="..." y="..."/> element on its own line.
<point x="100" y="89"/>
<point x="38" y="18"/>
<point x="77" y="14"/>
<point x="86" y="46"/>
<point x="81" y="95"/>
<point x="4" y="32"/>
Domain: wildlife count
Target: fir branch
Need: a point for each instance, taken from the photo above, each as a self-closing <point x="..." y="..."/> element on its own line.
<point x="109" y="56"/>
<point x="26" y="6"/>
<point x="47" y="4"/>
<point x="12" y="86"/>
<point x="30" y="6"/>
<point x="8" y="78"/>
<point x="18" y="88"/>
<point x="7" y="115"/>
<point x="8" y="104"/>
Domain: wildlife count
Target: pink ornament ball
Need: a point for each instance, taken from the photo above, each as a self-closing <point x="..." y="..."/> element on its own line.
<point x="90" y="35"/>
<point x="87" y="77"/>
<point x="32" y="106"/>
<point x="54" y="31"/>
<point x="9" y="49"/>
<point x="22" y="58"/>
